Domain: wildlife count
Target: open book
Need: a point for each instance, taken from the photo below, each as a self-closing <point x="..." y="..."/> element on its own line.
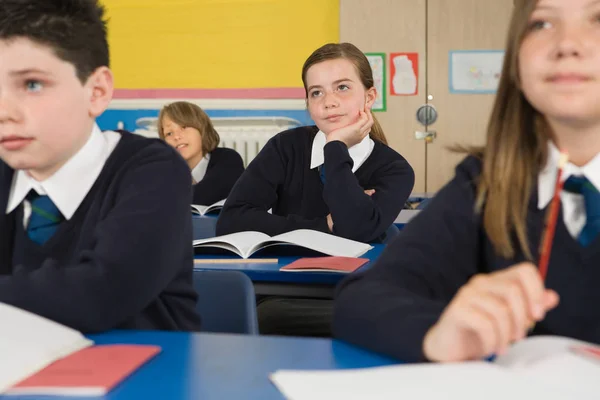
<point x="247" y="243"/>
<point x="29" y="343"/>
<point x="202" y="210"/>
<point x="543" y="367"/>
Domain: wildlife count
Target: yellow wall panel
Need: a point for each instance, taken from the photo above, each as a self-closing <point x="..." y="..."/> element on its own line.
<point x="216" y="44"/>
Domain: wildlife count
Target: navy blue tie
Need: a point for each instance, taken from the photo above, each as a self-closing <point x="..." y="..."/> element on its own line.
<point x="322" y="173"/>
<point x="44" y="220"/>
<point x="591" y="199"/>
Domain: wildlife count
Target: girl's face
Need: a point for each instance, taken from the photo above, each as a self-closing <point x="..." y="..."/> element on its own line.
<point x="186" y="140"/>
<point x="336" y="94"/>
<point x="559" y="61"/>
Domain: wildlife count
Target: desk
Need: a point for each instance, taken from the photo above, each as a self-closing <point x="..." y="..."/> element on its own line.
<point x="268" y="280"/>
<point x="220" y="367"/>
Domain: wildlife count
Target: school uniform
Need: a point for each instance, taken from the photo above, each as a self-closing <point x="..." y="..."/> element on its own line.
<point x="215" y="175"/>
<point x="390" y="307"/>
<point x="119" y="256"/>
<point x="302" y="180"/>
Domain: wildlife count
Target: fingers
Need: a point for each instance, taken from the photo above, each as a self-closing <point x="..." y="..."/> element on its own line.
<point x="486" y="336"/>
<point x="504" y="301"/>
<point x="491" y="312"/>
<point x="369" y="192"/>
<point x="486" y="316"/>
<point x="330" y="222"/>
<point x="551" y="299"/>
<point x="366" y="119"/>
<point x="529" y="280"/>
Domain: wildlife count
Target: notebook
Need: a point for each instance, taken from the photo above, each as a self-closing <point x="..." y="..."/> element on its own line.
<point x="325" y="264"/>
<point x="93" y="371"/>
<point x="543" y="367"/>
<point x="202" y="210"/>
<point x="247" y="243"/>
<point x="29" y="343"/>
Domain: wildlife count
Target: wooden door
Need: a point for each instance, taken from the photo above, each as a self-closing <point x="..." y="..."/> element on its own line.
<point x="462" y="118"/>
<point x="393" y="26"/>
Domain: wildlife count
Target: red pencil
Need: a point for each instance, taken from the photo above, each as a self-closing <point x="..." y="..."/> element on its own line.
<point x="552" y="216"/>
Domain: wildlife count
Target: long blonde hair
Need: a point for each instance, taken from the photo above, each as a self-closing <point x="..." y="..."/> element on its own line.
<point x="348" y="51"/>
<point x="515" y="151"/>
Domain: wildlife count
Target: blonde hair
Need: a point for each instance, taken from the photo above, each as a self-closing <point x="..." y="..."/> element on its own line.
<point x="515" y="150"/>
<point x="350" y="52"/>
<point x="186" y="114"/>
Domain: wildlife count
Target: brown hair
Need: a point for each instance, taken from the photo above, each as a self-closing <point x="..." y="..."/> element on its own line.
<point x="75" y="30"/>
<point x="350" y="52"/>
<point x="186" y="114"/>
<point x="515" y="150"/>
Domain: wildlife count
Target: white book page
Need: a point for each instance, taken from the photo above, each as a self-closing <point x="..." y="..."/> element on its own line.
<point x="240" y="243"/>
<point x="534" y="350"/>
<point x="199" y="209"/>
<point x="550" y="359"/>
<point x="29" y="343"/>
<point x="202" y="210"/>
<point x="465" y="381"/>
<point x="323" y="242"/>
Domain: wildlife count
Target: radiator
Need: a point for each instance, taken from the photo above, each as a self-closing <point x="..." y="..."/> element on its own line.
<point x="246" y="135"/>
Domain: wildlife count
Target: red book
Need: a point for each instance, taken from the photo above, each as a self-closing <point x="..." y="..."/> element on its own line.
<point x="325" y="264"/>
<point x="93" y="371"/>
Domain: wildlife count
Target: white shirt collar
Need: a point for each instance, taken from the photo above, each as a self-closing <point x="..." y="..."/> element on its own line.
<point x="200" y="169"/>
<point x="70" y="184"/>
<point x="359" y="152"/>
<point x="547" y="177"/>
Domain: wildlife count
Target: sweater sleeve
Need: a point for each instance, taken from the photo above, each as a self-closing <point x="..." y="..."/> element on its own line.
<point x="224" y="169"/>
<point x="355" y="214"/>
<point x="246" y="208"/>
<point x="139" y="247"/>
<point x="390" y="307"/>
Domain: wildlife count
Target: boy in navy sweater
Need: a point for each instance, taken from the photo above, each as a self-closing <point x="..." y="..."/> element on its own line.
<point x="188" y="129"/>
<point x="95" y="229"/>
<point x="460" y="282"/>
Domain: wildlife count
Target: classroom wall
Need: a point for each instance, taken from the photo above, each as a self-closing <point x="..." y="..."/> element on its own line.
<point x="208" y="44"/>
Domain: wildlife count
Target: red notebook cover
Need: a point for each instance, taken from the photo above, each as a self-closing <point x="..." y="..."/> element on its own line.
<point x="93" y="371"/>
<point x="325" y="264"/>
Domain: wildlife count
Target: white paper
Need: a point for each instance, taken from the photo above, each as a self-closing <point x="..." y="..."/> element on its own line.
<point x="468" y="381"/>
<point x="378" y="67"/>
<point x="200" y="209"/>
<point x="29" y="343"/>
<point x="475" y="71"/>
<point x="535" y="368"/>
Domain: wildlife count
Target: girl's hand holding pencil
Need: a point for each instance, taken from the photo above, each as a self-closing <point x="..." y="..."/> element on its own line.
<point x="492" y="311"/>
<point x="488" y="314"/>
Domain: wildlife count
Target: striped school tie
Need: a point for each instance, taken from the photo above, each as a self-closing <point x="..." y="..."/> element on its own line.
<point x="44" y="220"/>
<point x="591" y="199"/>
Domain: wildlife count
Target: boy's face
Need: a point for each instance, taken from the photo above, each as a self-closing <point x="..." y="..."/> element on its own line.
<point x="46" y="113"/>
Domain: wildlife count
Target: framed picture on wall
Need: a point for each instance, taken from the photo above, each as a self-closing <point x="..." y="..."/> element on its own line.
<point x="377" y="61"/>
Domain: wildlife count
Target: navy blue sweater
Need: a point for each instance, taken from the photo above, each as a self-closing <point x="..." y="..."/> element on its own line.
<point x="280" y="178"/>
<point x="124" y="259"/>
<point x="224" y="168"/>
<point x="390" y="307"/>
